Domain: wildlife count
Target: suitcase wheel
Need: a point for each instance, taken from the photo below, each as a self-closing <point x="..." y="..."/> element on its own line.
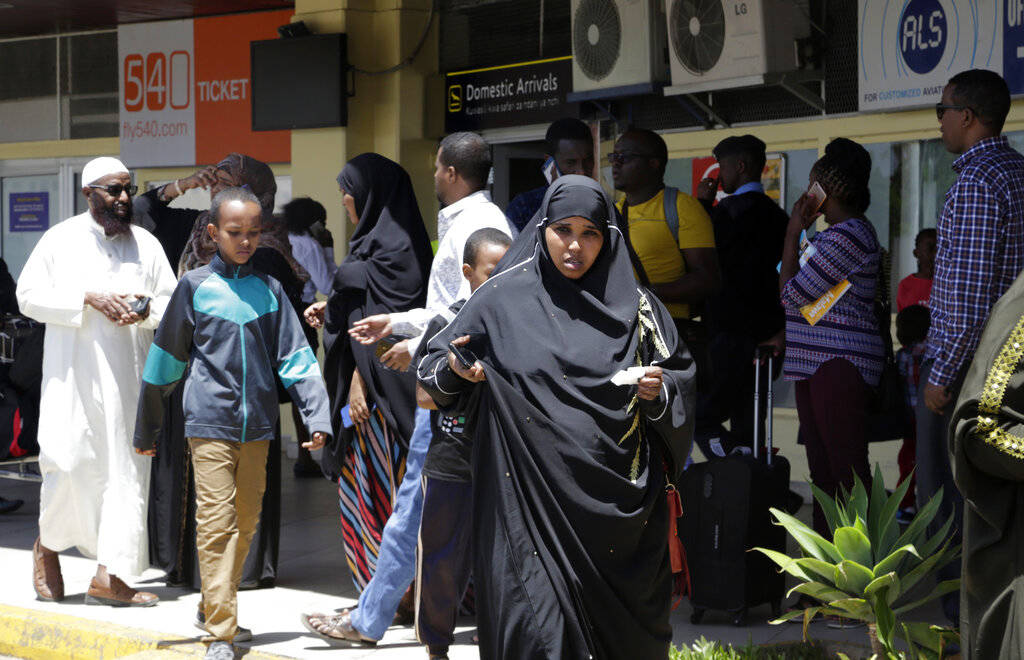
<point x="740" y="617"/>
<point x="697" y="615"/>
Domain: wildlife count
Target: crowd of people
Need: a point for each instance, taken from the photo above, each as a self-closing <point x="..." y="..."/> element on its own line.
<point x="504" y="416"/>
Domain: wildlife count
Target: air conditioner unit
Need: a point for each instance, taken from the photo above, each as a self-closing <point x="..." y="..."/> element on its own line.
<point x="718" y="44"/>
<point x="617" y="44"/>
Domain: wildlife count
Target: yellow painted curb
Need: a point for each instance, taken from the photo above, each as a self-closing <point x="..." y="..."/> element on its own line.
<point x="38" y="635"/>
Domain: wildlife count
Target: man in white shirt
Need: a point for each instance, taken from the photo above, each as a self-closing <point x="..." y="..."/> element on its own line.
<point x="101" y="286"/>
<point x="461" y="169"/>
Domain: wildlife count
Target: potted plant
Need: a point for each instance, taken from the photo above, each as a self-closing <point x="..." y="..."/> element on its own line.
<point x="868" y="569"/>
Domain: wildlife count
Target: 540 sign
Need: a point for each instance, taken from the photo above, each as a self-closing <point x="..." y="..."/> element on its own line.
<point x="158" y="81"/>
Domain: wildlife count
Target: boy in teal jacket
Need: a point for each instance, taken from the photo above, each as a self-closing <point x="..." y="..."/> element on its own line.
<point x="235" y="332"/>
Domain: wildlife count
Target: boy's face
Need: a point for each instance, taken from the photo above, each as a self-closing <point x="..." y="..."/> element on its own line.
<point x="238" y="235"/>
<point x="925" y="254"/>
<point x="486" y="259"/>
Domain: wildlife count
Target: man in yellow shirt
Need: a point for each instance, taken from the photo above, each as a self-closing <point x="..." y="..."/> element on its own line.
<point x="682" y="269"/>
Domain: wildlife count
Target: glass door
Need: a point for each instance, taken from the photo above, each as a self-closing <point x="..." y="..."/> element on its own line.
<point x="31" y="205"/>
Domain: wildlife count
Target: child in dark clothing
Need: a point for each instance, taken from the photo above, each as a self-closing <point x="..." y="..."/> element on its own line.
<point x="911" y="331"/>
<point x="444" y="557"/>
<point x="236" y="333"/>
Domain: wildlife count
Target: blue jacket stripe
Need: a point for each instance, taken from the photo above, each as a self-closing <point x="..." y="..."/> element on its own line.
<point x="162" y="368"/>
<point x="300" y="364"/>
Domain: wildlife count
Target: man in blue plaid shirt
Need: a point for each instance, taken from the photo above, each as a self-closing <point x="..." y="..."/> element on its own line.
<point x="980" y="254"/>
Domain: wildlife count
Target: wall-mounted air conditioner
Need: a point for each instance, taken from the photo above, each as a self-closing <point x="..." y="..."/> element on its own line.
<point x="618" y="46"/>
<point x="718" y="44"/>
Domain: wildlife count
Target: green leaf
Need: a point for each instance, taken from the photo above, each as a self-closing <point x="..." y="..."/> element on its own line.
<point x="941" y="589"/>
<point x="811" y="542"/>
<point x="858" y="499"/>
<point x="930" y="564"/>
<point x="929" y="546"/>
<point x="889" y="529"/>
<point x="885" y="623"/>
<point x="916" y="530"/>
<point x="927" y="635"/>
<point x="893" y="561"/>
<point x="822" y="592"/>
<point x="854" y="545"/>
<point x="822" y="569"/>
<point x="792" y="614"/>
<point x="854" y="608"/>
<point x="884" y="582"/>
<point x="786" y="563"/>
<point x="875" y="508"/>
<point x="828" y="507"/>
<point x="852" y="577"/>
<point x="862" y="526"/>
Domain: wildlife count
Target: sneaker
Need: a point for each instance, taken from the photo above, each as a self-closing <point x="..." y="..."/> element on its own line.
<point x="241" y="634"/>
<point x="905" y="516"/>
<point x="220" y="651"/>
<point x="842" y="623"/>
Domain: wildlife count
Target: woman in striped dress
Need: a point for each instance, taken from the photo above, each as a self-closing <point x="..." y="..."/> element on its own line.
<point x="833" y="346"/>
<point x="372" y="405"/>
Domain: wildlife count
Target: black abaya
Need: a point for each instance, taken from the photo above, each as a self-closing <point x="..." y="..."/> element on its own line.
<point x="385" y="271"/>
<point x="570" y="515"/>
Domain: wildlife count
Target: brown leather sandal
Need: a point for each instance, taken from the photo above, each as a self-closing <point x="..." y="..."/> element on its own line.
<point x="46" y="574"/>
<point x="118" y="595"/>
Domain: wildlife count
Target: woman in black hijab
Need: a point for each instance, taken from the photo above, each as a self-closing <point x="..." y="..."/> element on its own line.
<point x="385" y="271"/>
<point x="570" y="514"/>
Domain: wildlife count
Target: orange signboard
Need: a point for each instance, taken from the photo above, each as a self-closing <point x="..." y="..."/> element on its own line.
<point x="224" y="92"/>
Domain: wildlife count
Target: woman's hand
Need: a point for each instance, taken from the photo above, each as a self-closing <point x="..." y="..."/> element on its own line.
<point x="316" y="441"/>
<point x="146" y="452"/>
<point x="803" y="214"/>
<point x="371" y="329"/>
<point x="474" y="374"/>
<point x="397" y="357"/>
<point x="357" y="408"/>
<point x="649" y="387"/>
<point x="314" y="314"/>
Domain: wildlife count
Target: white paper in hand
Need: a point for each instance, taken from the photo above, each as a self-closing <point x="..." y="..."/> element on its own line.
<point x="630" y="376"/>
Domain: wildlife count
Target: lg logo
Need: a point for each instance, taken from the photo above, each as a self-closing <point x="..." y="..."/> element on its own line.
<point x="922" y="35"/>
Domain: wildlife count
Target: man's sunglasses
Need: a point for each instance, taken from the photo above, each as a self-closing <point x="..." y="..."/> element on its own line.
<point x="114" y="189"/>
<point x="624" y="157"/>
<point x="940" y="109"/>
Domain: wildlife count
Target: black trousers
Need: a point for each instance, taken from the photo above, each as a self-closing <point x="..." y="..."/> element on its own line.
<point x="728" y="394"/>
<point x="444" y="559"/>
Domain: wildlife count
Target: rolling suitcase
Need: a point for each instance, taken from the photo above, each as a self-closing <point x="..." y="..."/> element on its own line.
<point x="725" y="514"/>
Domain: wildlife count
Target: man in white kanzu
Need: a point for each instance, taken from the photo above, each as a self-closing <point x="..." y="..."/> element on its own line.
<point x="100" y="285"/>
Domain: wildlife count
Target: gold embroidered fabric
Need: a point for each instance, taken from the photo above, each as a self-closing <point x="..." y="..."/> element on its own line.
<point x="648" y="331"/>
<point x="991" y="399"/>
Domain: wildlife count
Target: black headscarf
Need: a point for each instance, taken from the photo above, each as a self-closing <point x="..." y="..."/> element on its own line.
<point x="385" y="271"/>
<point x="569" y="469"/>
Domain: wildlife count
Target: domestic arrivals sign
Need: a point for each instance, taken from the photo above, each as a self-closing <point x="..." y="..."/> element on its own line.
<point x="185" y="90"/>
<point x="909" y="50"/>
<point x="509" y="95"/>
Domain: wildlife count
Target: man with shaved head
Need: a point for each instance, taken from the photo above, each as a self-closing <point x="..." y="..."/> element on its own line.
<point x="101" y="286"/>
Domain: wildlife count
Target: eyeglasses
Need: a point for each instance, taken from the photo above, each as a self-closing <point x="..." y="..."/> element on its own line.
<point x="624" y="156"/>
<point x="114" y="189"/>
<point x="940" y="109"/>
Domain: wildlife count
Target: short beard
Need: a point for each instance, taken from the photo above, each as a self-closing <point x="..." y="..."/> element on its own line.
<point x="112" y="223"/>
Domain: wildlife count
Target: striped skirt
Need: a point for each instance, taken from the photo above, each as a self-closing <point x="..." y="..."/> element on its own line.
<point x="373" y="470"/>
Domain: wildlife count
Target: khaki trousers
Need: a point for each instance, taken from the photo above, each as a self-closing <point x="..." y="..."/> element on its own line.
<point x="230" y="479"/>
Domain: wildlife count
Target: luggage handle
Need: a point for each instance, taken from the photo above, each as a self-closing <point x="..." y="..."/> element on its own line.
<point x="762" y="352"/>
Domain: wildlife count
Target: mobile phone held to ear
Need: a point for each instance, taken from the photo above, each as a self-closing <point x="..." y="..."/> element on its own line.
<point x="463" y="355"/>
<point x="817" y="193"/>
<point x="140" y="305"/>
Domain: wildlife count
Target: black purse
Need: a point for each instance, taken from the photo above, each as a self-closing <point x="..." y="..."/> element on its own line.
<point x="887" y="410"/>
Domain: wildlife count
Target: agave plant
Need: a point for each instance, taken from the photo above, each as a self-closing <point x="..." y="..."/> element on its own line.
<point x="868" y="569"/>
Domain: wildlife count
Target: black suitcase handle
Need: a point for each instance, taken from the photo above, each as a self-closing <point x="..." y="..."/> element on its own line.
<point x="764" y="352"/>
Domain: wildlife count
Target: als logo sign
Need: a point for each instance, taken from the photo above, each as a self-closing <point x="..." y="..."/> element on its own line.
<point x="908" y="49"/>
<point x="922" y="35"/>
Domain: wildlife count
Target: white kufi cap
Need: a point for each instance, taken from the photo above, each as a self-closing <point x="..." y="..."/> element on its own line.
<point x="97" y="168"/>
